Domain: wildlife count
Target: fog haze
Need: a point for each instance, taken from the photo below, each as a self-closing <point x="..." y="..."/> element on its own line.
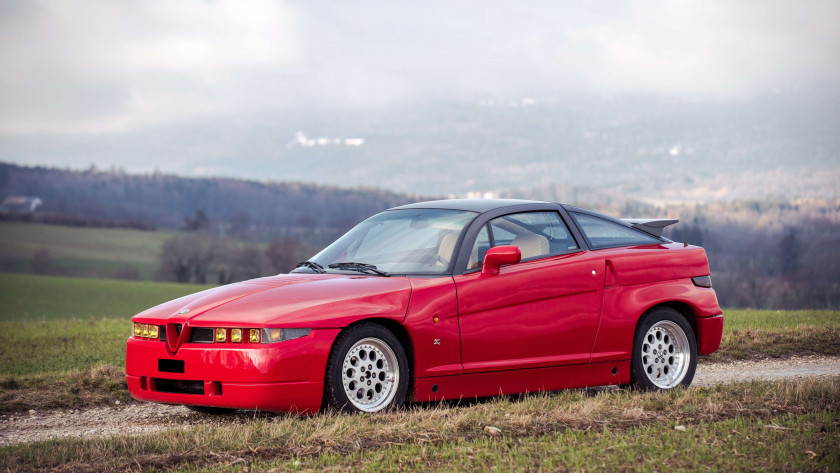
<point x="228" y="88"/>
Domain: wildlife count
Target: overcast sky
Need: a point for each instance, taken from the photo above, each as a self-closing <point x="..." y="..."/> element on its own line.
<point x="90" y="67"/>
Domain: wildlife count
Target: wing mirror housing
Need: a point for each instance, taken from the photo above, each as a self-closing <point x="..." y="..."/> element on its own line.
<point x="499" y="255"/>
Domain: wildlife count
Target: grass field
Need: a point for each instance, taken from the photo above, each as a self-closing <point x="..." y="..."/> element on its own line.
<point x="30" y="298"/>
<point x="781" y="426"/>
<point x="750" y="334"/>
<point x="89" y="252"/>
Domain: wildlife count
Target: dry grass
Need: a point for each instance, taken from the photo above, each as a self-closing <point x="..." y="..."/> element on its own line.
<point x="99" y="385"/>
<point x="267" y="439"/>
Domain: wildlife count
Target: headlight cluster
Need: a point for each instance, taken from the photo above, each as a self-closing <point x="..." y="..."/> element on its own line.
<point x="258" y="335"/>
<point x="146" y="331"/>
<point x="227" y="335"/>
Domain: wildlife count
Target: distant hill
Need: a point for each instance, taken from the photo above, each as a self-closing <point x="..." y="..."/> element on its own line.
<point x="251" y="210"/>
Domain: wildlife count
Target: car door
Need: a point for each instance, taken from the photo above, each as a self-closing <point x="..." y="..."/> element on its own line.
<point x="542" y="311"/>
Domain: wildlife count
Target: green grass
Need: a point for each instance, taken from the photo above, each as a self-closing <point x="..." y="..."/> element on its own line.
<point x="741" y="319"/>
<point x="734" y="444"/>
<point x="26" y="297"/>
<point x="90" y="252"/>
<point x="55" y="346"/>
<point x="751" y="334"/>
<point x="748" y="426"/>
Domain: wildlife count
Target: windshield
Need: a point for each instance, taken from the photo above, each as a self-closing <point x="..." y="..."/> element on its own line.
<point x="410" y="241"/>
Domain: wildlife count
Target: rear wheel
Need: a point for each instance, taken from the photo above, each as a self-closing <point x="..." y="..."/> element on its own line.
<point x="367" y="370"/>
<point x="664" y="351"/>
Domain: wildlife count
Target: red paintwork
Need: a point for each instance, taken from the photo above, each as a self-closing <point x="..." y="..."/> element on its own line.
<point x="429" y="298"/>
<point x="542" y="324"/>
<point x="709" y="332"/>
<point x="521" y="381"/>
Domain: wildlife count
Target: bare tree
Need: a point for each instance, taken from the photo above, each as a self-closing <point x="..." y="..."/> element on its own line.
<point x="283" y="255"/>
<point x="187" y="258"/>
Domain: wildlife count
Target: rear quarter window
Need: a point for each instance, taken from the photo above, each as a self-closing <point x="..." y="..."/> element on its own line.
<point x="603" y="233"/>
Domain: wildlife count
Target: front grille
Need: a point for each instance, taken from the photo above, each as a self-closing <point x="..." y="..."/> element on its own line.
<point x="201" y="335"/>
<point x="162" y="331"/>
<point x="178" y="386"/>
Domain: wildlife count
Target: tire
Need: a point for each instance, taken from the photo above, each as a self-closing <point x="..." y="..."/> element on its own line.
<point x="211" y="410"/>
<point x="367" y="371"/>
<point x="664" y="351"/>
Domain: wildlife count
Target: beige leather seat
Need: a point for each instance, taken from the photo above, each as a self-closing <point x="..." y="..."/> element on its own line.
<point x="531" y="245"/>
<point x="446" y="248"/>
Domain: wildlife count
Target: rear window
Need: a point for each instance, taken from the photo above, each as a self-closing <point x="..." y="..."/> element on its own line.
<point x="603" y="233"/>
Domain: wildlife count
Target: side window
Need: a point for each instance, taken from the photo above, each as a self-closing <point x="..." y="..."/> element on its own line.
<point x="482" y="244"/>
<point x="605" y="234"/>
<point x="537" y="234"/>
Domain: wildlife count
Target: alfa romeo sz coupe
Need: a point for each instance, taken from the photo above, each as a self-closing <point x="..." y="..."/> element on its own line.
<point x="440" y="300"/>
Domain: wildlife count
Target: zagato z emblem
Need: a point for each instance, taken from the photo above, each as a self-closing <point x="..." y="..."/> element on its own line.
<point x="437" y="341"/>
<point x="183" y="311"/>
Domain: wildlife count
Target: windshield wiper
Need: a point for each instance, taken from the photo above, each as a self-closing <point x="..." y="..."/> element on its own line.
<point x="360" y="267"/>
<point x="313" y="266"/>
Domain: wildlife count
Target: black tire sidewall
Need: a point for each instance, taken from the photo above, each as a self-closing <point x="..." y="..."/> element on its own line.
<point x="637" y="374"/>
<point x="333" y="387"/>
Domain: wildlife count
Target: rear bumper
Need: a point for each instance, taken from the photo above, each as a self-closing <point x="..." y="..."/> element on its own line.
<point x="286" y="376"/>
<point x="709" y="333"/>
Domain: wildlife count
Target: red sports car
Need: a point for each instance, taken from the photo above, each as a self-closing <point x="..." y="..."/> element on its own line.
<point x="440" y="300"/>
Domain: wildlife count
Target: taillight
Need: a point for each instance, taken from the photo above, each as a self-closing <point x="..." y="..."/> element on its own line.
<point x="702" y="281"/>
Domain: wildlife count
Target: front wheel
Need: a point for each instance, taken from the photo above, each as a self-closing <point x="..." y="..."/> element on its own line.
<point x="664" y="351"/>
<point x="367" y="370"/>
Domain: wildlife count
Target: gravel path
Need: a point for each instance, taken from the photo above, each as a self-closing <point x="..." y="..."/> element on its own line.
<point x="710" y="374"/>
<point x="138" y="418"/>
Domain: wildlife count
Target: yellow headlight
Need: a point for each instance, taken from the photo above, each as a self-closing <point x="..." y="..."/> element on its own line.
<point x="138" y="330"/>
<point x="153" y="331"/>
<point x="254" y="335"/>
<point x="236" y="335"/>
<point x="144" y="330"/>
<point x="221" y="335"/>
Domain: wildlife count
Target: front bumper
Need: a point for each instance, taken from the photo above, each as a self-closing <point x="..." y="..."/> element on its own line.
<point x="286" y="376"/>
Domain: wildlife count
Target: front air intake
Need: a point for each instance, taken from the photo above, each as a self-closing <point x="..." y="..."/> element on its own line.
<point x="201" y="335"/>
<point x="178" y="386"/>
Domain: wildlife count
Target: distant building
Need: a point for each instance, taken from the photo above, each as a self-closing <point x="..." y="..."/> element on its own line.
<point x="20" y="204"/>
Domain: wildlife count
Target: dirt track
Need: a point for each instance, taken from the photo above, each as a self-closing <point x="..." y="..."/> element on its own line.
<point x="137" y="418"/>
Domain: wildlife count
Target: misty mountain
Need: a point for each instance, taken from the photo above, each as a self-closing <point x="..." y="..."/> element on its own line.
<point x="781" y="144"/>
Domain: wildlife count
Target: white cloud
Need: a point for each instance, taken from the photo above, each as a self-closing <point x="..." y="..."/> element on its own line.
<point x="86" y="66"/>
<point x="83" y="67"/>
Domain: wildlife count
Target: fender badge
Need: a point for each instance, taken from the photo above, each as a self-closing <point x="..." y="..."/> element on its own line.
<point x="437" y="341"/>
<point x="183" y="311"/>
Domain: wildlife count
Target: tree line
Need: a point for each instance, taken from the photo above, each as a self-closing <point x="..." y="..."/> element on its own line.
<point x="208" y="259"/>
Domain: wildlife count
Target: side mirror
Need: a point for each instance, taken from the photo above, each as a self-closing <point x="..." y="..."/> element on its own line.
<point x="499" y="255"/>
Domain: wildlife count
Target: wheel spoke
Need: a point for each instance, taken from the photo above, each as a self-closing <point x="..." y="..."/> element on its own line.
<point x="371" y="374"/>
<point x="666" y="354"/>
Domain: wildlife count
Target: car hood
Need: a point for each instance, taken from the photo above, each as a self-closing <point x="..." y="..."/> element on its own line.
<point x="289" y="300"/>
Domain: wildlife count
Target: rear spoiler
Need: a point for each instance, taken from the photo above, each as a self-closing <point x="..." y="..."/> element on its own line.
<point x="649" y="225"/>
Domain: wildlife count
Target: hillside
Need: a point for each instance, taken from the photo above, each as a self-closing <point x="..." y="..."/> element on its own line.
<point x="85" y="252"/>
<point x="251" y="210"/>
